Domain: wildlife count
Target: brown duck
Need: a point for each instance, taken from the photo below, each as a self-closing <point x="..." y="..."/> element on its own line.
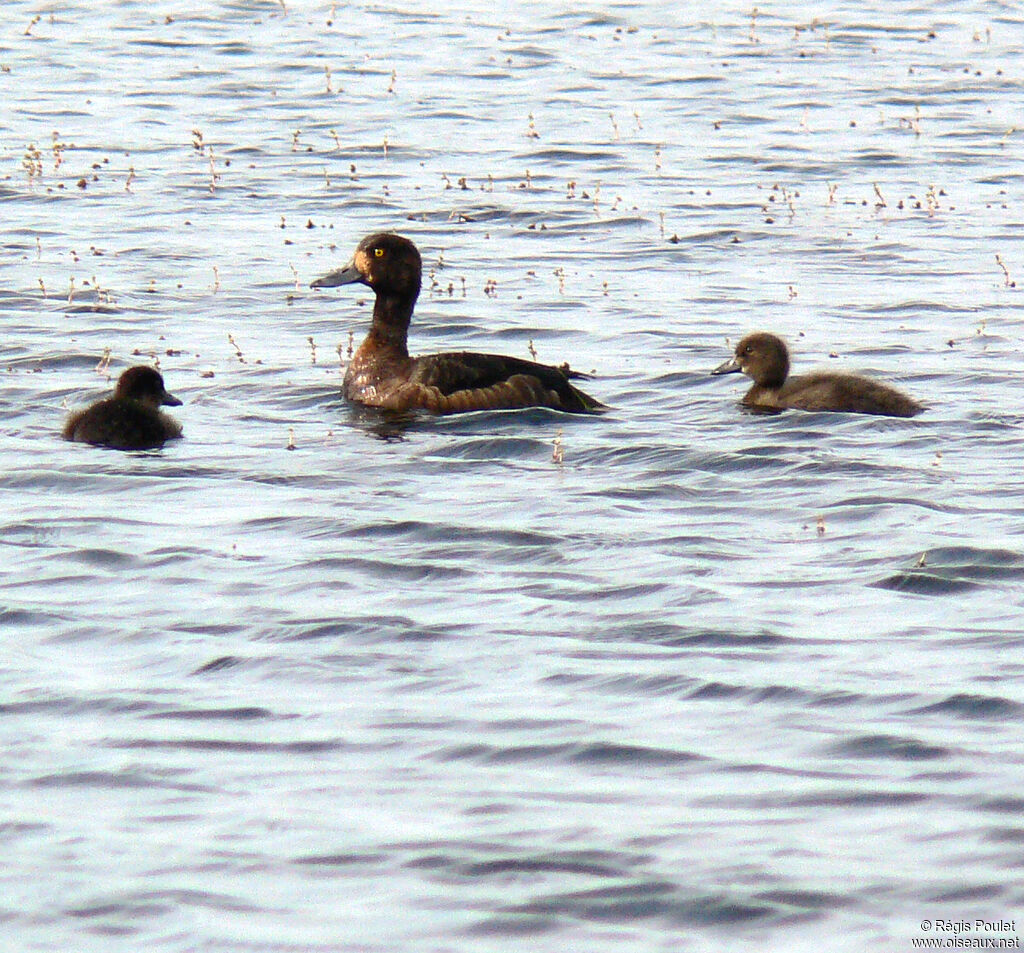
<point x="131" y="419"/>
<point x="382" y="374"/>
<point x="764" y="358"/>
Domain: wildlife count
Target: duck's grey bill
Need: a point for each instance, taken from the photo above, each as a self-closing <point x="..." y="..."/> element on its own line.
<point x="731" y="366"/>
<point x="343" y="276"/>
<point x="170" y="400"/>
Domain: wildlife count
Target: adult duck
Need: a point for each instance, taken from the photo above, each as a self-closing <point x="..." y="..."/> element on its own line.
<point x="382" y="374"/>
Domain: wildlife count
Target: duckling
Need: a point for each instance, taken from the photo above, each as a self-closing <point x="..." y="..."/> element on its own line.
<point x="131" y="419"/>
<point x="764" y="358"/>
<point x="382" y="374"/>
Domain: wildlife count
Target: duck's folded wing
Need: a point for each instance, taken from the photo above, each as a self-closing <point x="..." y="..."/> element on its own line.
<point x="486" y="381"/>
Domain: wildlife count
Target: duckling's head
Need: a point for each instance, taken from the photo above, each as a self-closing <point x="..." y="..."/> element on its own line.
<point x="762" y="357"/>
<point x="146" y="386"/>
<point x="388" y="263"/>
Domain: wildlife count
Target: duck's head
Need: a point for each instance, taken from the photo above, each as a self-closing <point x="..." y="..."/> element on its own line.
<point x="763" y="357"/>
<point x="388" y="263"/>
<point x="145" y="385"/>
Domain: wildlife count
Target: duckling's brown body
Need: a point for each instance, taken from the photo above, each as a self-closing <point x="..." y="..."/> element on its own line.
<point x="131" y="419"/>
<point x="382" y="374"/>
<point x="765" y="358"/>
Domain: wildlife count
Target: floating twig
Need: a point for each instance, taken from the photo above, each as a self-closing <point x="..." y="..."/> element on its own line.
<point x="1007" y="280"/>
<point x="558" y="450"/>
<point x="214" y="177"/>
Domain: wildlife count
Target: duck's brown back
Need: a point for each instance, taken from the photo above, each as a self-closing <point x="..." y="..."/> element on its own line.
<point x="122" y="425"/>
<point x="463" y="381"/>
<point x="849" y="393"/>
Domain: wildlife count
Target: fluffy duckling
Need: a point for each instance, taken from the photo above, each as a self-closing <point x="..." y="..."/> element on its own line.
<point x="131" y="419"/>
<point x="764" y="358"/>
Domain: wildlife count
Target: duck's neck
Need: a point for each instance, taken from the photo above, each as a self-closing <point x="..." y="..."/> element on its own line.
<point x="391" y="316"/>
<point x="775" y="374"/>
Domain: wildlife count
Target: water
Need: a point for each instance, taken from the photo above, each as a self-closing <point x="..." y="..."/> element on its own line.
<point x="716" y="681"/>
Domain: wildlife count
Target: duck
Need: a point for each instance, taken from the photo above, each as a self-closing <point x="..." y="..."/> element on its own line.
<point x="764" y="358"/>
<point x="131" y="419"/>
<point x="382" y="374"/>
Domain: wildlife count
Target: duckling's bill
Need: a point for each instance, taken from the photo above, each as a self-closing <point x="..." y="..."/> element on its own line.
<point x="731" y="366"/>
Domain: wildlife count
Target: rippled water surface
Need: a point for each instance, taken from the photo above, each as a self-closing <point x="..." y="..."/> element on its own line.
<point x="714" y="681"/>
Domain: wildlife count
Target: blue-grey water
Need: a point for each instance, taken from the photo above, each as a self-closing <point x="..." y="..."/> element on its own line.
<point x="714" y="681"/>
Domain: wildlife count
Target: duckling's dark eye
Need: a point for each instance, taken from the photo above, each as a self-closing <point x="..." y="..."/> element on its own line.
<point x="378" y="253"/>
<point x="749" y="349"/>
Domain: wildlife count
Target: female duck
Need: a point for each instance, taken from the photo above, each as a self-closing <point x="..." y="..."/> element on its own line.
<point x="382" y="374"/>
<point x="764" y="358"/>
<point x="131" y="419"/>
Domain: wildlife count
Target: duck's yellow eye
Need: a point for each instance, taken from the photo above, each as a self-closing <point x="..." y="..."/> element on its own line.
<point x="378" y="253"/>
